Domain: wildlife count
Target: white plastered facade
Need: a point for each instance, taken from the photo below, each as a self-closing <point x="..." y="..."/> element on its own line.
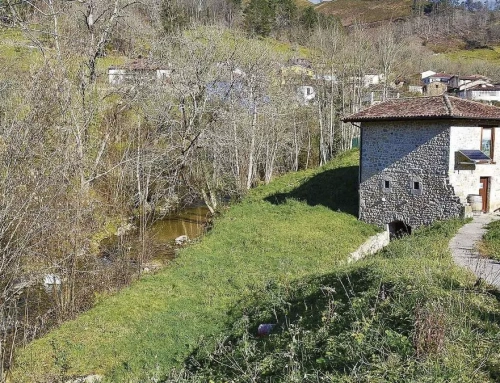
<point x="467" y="182"/>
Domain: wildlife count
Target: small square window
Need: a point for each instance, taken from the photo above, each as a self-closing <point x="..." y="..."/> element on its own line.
<point x="416" y="186"/>
<point x="386" y="185"/>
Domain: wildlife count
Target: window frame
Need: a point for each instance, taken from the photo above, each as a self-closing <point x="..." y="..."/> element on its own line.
<point x="492" y="140"/>
<point x="383" y="187"/>
<point x="416" y="180"/>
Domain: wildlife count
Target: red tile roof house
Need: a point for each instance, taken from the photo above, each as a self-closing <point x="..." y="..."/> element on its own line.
<point x="420" y="159"/>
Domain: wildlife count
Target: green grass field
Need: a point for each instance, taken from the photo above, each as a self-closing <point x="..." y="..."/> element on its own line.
<point x="300" y="226"/>
<point x="19" y="55"/>
<point x="490" y="55"/>
<point x="407" y="314"/>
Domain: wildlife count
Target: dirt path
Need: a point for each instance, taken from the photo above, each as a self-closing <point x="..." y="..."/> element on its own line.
<point x="464" y="250"/>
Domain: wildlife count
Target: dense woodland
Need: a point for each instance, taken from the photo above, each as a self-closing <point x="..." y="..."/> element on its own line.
<point x="79" y="157"/>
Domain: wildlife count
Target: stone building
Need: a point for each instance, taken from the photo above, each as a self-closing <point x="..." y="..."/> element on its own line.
<point x="420" y="159"/>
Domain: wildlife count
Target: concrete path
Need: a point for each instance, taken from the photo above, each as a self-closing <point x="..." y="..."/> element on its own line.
<point x="464" y="250"/>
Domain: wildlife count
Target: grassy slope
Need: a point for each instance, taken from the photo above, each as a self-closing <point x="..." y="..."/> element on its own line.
<point x="366" y="11"/>
<point x="490" y="246"/>
<point x="287" y="230"/>
<point x="18" y="55"/>
<point x="491" y="55"/>
<point x="407" y="314"/>
<point x="303" y="3"/>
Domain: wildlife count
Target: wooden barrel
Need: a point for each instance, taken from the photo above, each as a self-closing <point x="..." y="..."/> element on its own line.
<point x="476" y="202"/>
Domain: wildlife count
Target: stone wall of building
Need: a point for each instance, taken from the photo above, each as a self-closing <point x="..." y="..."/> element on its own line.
<point x="405" y="173"/>
<point x="466" y="182"/>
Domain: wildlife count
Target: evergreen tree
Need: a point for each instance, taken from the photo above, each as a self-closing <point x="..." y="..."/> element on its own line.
<point x="309" y="18"/>
<point x="259" y="16"/>
<point x="285" y="12"/>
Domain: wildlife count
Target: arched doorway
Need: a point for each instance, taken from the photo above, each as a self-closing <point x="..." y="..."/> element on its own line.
<point x="398" y="229"/>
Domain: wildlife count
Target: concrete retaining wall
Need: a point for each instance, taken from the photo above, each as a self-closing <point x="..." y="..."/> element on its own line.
<point x="371" y="246"/>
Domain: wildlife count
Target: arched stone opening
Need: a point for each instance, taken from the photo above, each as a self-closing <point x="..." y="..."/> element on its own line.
<point x="398" y="229"/>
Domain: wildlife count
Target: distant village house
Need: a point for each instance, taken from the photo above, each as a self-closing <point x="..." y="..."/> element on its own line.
<point x="473" y="87"/>
<point x="139" y="70"/>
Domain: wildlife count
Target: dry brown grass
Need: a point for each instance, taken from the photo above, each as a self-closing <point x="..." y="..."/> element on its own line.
<point x="365" y="11"/>
<point x="303" y="3"/>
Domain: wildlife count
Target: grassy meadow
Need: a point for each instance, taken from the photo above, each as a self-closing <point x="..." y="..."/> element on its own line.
<point x="407" y="314"/>
<point x="491" y="55"/>
<point x="302" y="225"/>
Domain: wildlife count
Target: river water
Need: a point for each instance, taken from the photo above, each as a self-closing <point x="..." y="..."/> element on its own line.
<point x="159" y="242"/>
<point x="114" y="268"/>
<point x="191" y="222"/>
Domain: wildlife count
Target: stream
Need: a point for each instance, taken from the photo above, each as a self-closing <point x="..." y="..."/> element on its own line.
<point x="115" y="267"/>
<point x="190" y="222"/>
<point x="160" y="237"/>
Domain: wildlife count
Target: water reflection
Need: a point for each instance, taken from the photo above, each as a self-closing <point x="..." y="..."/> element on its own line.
<point x="159" y="239"/>
<point x="41" y="302"/>
<point x="190" y="222"/>
<point x="162" y="234"/>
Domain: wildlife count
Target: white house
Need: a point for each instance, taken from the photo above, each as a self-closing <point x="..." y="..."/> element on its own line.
<point x="437" y="77"/>
<point x="138" y="70"/>
<point x="459" y="82"/>
<point x="427" y="73"/>
<point x="481" y="92"/>
<point x="306" y="93"/>
<point x="422" y="157"/>
<point x="372" y="79"/>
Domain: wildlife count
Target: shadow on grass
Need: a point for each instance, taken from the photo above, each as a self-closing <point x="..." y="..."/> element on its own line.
<point x="336" y="189"/>
<point x="307" y="306"/>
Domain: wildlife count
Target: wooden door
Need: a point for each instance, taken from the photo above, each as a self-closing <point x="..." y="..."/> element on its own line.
<point x="483" y="192"/>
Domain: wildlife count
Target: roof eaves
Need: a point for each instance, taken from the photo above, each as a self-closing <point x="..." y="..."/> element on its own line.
<point x="406" y="118"/>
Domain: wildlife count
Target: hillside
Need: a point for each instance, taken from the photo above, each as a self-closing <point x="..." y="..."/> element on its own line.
<point x="296" y="227"/>
<point x="407" y="314"/>
<point x="364" y="11"/>
<point x="303" y="3"/>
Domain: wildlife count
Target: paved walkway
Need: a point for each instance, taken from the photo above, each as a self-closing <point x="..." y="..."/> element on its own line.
<point x="464" y="251"/>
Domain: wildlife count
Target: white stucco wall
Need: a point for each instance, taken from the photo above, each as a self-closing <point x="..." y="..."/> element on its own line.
<point x="116" y="76"/>
<point x="466" y="182"/>
<point x="484" y="95"/>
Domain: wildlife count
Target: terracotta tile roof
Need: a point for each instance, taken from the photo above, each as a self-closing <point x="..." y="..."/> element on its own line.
<point x="418" y="108"/>
<point x="472" y="77"/>
<point x="486" y="87"/>
<point x="442" y="75"/>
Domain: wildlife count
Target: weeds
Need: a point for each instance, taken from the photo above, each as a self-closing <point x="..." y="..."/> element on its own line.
<point x="407" y="314"/>
<point x="490" y="246"/>
<point x="429" y="332"/>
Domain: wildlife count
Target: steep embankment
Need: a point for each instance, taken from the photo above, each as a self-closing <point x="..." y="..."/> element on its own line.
<point x="301" y="225"/>
<point x="407" y="314"/>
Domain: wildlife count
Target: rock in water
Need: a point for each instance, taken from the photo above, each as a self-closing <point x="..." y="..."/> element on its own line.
<point x="181" y="239"/>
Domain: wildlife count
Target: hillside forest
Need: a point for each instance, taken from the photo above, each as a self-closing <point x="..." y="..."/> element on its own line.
<point x="82" y="156"/>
